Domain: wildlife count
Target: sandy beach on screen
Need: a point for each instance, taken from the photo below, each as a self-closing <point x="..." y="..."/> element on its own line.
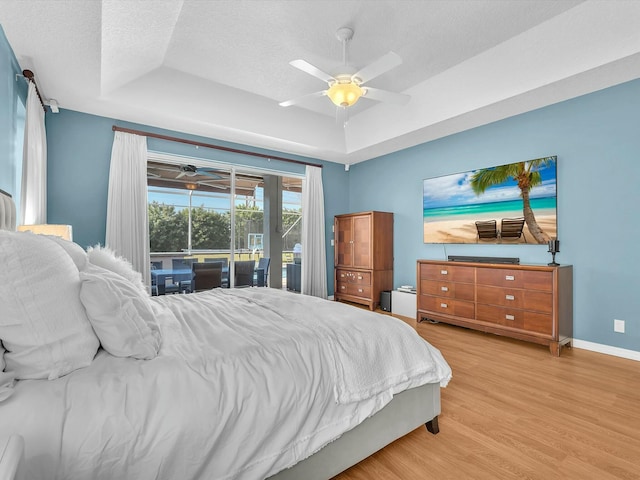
<point x="464" y="231"/>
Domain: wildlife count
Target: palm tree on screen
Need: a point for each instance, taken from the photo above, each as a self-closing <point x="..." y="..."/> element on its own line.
<point x="527" y="175"/>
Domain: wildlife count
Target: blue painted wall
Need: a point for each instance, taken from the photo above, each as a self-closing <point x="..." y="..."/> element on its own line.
<point x="597" y="140"/>
<point x="79" y="153"/>
<point x="13" y="92"/>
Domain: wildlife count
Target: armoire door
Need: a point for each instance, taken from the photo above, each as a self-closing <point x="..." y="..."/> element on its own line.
<point x="344" y="241"/>
<point x="362" y="239"/>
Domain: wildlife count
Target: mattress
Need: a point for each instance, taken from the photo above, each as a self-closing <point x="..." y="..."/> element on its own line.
<point x="248" y="382"/>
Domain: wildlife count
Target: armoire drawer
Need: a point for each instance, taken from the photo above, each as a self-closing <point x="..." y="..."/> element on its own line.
<point x="363" y="291"/>
<point x="361" y="278"/>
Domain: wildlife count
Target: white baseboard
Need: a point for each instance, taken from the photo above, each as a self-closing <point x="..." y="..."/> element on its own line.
<point x="606" y="349"/>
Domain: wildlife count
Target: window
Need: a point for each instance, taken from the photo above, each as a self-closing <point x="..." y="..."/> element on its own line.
<point x="218" y="212"/>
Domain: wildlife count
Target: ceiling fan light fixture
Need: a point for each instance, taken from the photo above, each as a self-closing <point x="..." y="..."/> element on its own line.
<point x="345" y="94"/>
<point x="345" y="84"/>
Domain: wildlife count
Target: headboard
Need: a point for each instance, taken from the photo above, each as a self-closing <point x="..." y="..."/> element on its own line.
<point x="7" y="212"/>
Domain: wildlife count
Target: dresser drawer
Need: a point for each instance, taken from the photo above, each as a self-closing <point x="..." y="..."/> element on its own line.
<point x="460" y="291"/>
<point x="515" y="318"/>
<point x="361" y="278"/>
<point x="515" y="278"/>
<point x="536" y="300"/>
<point x="448" y="273"/>
<point x="346" y="288"/>
<point x="449" y="306"/>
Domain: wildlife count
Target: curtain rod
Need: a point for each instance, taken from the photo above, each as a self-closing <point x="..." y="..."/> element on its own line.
<point x="28" y="74"/>
<point x="115" y="128"/>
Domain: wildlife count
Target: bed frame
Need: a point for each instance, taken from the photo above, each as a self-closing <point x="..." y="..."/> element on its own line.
<point x="407" y="411"/>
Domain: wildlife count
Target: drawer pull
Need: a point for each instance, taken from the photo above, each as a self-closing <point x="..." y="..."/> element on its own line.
<point x="509" y="297"/>
<point x="443" y="305"/>
<point x="342" y="287"/>
<point x="509" y="277"/>
<point x="359" y="277"/>
<point x="443" y="272"/>
<point x="444" y="289"/>
<point x="359" y="290"/>
<point x="509" y="317"/>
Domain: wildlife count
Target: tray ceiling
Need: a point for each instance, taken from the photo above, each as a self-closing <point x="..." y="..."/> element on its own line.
<point x="219" y="68"/>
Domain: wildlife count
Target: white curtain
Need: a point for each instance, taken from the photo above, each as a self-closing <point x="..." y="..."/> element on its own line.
<point x="127" y="217"/>
<point x="33" y="198"/>
<point x="314" y="254"/>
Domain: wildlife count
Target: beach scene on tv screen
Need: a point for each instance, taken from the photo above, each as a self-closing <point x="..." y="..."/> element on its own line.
<point x="510" y="204"/>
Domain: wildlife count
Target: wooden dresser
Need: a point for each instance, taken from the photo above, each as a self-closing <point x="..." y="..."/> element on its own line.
<point x="527" y="302"/>
<point x="363" y="256"/>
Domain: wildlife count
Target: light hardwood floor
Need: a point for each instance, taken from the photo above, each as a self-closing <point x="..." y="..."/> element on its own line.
<point x="513" y="411"/>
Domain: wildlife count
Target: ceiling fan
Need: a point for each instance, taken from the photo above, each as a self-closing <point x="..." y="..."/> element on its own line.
<point x="346" y="84"/>
<point x="192" y="170"/>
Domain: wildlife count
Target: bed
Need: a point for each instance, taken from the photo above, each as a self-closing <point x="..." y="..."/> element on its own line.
<point x="230" y="383"/>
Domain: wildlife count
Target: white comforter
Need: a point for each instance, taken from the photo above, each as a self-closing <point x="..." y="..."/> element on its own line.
<point x="247" y="383"/>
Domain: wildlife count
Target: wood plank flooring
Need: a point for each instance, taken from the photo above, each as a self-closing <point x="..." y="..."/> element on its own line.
<point x="513" y="411"/>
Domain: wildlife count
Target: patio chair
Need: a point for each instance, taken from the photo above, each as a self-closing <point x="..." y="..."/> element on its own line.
<point x="223" y="263"/>
<point x="486" y="230"/>
<point x="243" y="273"/>
<point x="262" y="271"/>
<point x="511" y="228"/>
<point x="206" y="276"/>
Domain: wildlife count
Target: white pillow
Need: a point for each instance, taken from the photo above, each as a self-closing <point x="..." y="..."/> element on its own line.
<point x="120" y="314"/>
<point x="106" y="258"/>
<point x="43" y="326"/>
<point x="75" y="251"/>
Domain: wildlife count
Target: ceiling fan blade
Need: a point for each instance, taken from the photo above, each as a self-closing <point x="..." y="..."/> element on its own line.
<point x="312" y="70"/>
<point x="295" y="101"/>
<point x="378" y="67"/>
<point x="181" y="174"/>
<point x="385" y="96"/>
<point x="206" y="172"/>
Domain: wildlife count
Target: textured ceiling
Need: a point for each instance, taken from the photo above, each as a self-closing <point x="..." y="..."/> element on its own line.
<point x="219" y="68"/>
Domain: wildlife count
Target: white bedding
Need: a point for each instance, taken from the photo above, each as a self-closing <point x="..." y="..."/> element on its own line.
<point x="247" y="382"/>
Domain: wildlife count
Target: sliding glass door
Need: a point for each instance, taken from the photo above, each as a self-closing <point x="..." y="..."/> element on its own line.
<point x="220" y="214"/>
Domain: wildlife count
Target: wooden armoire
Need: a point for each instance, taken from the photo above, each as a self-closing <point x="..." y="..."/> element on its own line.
<point x="363" y="256"/>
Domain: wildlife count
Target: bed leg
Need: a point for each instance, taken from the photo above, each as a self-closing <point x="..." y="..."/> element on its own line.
<point x="432" y="425"/>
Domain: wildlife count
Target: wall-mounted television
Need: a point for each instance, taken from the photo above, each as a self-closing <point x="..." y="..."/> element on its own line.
<point x="509" y="204"/>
